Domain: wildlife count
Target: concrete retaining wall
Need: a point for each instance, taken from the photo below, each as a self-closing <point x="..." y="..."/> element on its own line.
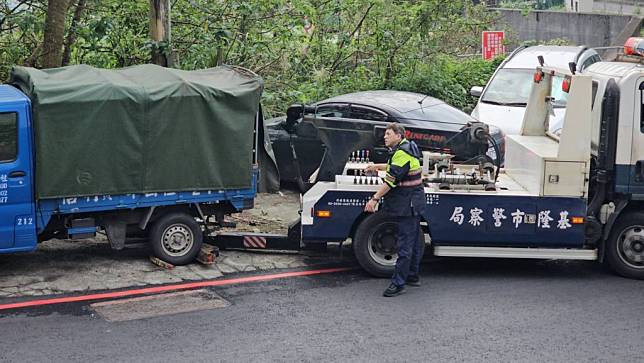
<point x="594" y="30"/>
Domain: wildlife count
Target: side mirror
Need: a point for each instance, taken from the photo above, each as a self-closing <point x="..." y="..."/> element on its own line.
<point x="293" y="114"/>
<point x="573" y="67"/>
<point x="476" y="91"/>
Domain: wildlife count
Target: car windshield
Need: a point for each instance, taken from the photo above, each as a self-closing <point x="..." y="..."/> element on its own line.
<point x="511" y="87"/>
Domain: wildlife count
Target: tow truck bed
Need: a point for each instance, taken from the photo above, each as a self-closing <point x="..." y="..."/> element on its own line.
<point x="511" y="216"/>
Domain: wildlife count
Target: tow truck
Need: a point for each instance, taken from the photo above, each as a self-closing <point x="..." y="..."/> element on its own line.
<point x="576" y="195"/>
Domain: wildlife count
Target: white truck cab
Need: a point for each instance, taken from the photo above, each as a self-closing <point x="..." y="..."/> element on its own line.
<point x="626" y="82"/>
<point x="617" y="165"/>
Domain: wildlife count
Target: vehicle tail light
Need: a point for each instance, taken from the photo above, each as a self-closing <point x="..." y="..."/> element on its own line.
<point x="565" y="85"/>
<point x="538" y="76"/>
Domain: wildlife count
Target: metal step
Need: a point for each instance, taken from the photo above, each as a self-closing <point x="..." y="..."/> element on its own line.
<point x="510" y="252"/>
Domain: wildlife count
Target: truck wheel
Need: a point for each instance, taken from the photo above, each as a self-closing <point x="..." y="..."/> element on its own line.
<point x="176" y="238"/>
<point x="625" y="247"/>
<point x="374" y="245"/>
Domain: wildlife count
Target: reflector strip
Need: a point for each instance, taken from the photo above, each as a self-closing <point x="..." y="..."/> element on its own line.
<point x="324" y="213"/>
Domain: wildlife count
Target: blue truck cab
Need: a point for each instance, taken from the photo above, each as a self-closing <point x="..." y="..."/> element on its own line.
<point x="174" y="222"/>
<point x="18" y="222"/>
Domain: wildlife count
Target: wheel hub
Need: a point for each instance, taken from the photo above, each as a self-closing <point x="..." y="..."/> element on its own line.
<point x="382" y="244"/>
<point x="630" y="247"/>
<point x="177" y="240"/>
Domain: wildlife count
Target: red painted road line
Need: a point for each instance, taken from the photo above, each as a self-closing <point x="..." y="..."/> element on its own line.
<point x="166" y="288"/>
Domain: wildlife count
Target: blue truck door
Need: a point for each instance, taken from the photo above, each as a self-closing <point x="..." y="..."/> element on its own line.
<point x="17" y="211"/>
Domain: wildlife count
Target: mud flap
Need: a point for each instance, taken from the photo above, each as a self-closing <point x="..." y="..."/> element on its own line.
<point x="116" y="234"/>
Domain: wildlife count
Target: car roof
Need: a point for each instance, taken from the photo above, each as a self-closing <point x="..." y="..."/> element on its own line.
<point x="553" y="55"/>
<point x="393" y="102"/>
<point x="411" y="107"/>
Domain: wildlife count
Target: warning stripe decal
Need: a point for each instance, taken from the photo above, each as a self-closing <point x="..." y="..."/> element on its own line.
<point x="254" y="242"/>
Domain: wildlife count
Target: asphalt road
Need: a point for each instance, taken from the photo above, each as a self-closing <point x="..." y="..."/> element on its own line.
<point x="466" y="310"/>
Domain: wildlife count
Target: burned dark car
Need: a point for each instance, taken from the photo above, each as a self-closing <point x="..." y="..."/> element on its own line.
<point x="299" y="148"/>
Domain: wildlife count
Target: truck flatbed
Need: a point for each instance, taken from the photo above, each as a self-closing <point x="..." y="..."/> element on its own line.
<point x="239" y="198"/>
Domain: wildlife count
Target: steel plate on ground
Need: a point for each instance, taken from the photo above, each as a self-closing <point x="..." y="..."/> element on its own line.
<point x="159" y="305"/>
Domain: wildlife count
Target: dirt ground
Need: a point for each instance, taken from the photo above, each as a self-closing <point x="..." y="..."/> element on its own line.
<point x="272" y="213"/>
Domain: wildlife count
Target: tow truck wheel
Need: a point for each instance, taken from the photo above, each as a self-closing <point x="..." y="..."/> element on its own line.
<point x="374" y="245"/>
<point x="625" y="247"/>
<point x="176" y="238"/>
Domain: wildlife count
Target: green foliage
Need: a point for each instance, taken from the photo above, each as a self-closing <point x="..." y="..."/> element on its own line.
<point x="556" y="41"/>
<point x="448" y="79"/>
<point x="527" y="5"/>
<point x="305" y="50"/>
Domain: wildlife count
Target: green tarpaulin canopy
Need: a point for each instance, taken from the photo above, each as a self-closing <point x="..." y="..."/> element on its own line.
<point x="140" y="129"/>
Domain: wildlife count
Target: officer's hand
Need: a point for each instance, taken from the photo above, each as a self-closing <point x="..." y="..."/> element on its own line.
<point x="371" y="168"/>
<point x="371" y="206"/>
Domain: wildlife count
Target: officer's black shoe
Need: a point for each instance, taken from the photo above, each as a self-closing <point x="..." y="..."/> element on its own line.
<point x="413" y="281"/>
<point x="394" y="290"/>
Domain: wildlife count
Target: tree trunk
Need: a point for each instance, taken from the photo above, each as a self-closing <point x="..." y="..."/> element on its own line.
<point x="160" y="32"/>
<point x="71" y="34"/>
<point x="54" y="33"/>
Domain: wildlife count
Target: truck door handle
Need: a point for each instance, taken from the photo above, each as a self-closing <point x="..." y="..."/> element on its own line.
<point x="17" y="174"/>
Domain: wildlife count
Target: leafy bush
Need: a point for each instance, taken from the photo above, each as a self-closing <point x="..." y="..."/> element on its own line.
<point x="448" y="78"/>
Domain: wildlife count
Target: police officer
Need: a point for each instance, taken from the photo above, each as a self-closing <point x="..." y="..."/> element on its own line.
<point x="404" y="201"/>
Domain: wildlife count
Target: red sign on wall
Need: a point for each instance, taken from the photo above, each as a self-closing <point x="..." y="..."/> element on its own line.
<point x="493" y="44"/>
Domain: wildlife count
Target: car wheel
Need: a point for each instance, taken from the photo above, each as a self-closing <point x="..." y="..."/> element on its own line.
<point x="176" y="238"/>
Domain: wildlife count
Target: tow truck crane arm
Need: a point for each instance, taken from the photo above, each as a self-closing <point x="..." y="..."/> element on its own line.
<point x="343" y="136"/>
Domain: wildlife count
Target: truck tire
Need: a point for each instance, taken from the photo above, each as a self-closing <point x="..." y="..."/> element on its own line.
<point x="374" y="245"/>
<point x="176" y="238"/>
<point x="625" y="246"/>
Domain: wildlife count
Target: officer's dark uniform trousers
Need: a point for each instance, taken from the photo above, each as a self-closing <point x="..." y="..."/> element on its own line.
<point x="409" y="249"/>
<point x="405" y="202"/>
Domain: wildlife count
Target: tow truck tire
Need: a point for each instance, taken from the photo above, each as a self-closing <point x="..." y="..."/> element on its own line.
<point x="374" y="244"/>
<point x="176" y="238"/>
<point x="625" y="247"/>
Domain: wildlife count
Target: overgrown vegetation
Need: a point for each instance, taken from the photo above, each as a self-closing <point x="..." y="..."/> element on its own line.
<point x="305" y="50"/>
<point x="554" y="5"/>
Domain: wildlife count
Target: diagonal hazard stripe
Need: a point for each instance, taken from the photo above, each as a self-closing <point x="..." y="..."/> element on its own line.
<point x="254" y="242"/>
<point x="167" y="288"/>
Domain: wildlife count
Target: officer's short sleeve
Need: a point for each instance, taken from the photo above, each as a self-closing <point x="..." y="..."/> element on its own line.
<point x="398" y="168"/>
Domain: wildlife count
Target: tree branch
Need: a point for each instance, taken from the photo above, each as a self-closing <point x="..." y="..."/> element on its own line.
<point x="11" y="11"/>
<point x="337" y="60"/>
<point x="71" y="35"/>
